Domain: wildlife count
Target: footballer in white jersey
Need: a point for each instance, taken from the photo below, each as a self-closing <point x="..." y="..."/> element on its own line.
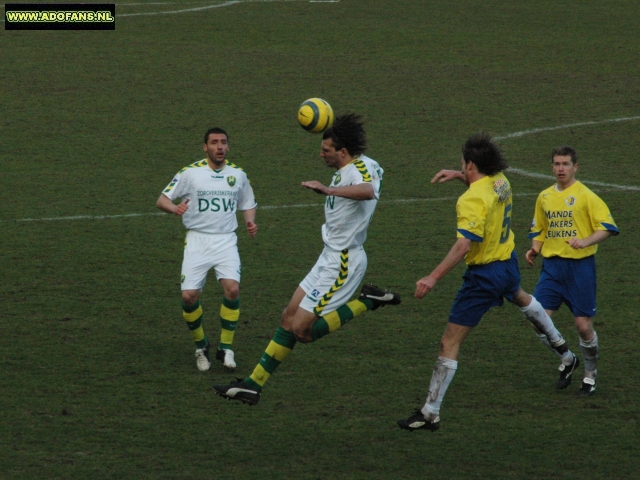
<point x="214" y="196"/>
<point x="320" y="304"/>
<point x="346" y="219"/>
<point x="211" y="191"/>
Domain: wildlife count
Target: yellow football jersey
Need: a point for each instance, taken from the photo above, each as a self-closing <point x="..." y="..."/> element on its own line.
<point x="484" y="217"/>
<point x="574" y="212"/>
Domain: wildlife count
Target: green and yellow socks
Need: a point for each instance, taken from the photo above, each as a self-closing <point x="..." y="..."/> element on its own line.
<point x="283" y="341"/>
<point x="336" y="319"/>
<point x="278" y="349"/>
<point x="229" y="315"/>
<point x="193" y="316"/>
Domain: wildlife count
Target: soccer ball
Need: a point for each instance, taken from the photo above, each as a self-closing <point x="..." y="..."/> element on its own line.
<point x="315" y="115"/>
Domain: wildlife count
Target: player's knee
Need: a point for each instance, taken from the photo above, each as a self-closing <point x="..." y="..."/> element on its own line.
<point x="190" y="297"/>
<point x="302" y="333"/>
<point x="287" y="318"/>
<point x="232" y="292"/>
<point x="585" y="330"/>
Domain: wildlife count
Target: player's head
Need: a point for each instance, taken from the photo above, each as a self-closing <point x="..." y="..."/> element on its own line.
<point x="484" y="153"/>
<point x="216" y="146"/>
<point x="347" y="132"/>
<point x="217" y="130"/>
<point x="564" y="164"/>
<point x="565" y="151"/>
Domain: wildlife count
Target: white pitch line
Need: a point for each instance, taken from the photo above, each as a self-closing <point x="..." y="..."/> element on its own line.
<point x="408" y="200"/>
<point x="266" y="207"/>
<point x="174" y="12"/>
<point x="561" y="127"/>
<point x="208" y="7"/>
<point x="588" y="182"/>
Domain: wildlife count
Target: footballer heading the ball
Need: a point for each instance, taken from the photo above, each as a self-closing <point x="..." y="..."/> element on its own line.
<point x="315" y="115"/>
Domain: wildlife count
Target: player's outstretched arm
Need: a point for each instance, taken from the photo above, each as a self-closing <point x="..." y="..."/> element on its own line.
<point x="362" y="191"/>
<point x="250" y="221"/>
<point x="445" y="175"/>
<point x="165" y="204"/>
<point x="455" y="256"/>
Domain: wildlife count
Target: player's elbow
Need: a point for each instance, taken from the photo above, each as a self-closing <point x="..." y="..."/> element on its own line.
<point x="369" y="194"/>
<point x="464" y="246"/>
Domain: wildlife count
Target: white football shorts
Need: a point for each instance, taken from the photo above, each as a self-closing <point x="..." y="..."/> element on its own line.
<point x="333" y="280"/>
<point x="204" y="251"/>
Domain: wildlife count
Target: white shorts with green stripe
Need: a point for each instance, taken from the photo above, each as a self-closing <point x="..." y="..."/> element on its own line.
<point x="333" y="280"/>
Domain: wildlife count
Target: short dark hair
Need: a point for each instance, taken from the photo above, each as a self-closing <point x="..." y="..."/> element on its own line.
<point x="565" y="151"/>
<point x="347" y="132"/>
<point x="215" y="130"/>
<point x="484" y="153"/>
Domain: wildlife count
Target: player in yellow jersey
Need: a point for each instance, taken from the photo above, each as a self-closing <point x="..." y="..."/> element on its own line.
<point x="485" y="242"/>
<point x="569" y="223"/>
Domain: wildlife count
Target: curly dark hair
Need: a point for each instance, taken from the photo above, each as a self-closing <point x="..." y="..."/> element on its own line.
<point x="484" y="153"/>
<point x="347" y="132"/>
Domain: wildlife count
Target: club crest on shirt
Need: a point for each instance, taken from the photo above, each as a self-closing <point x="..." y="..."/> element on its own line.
<point x="502" y="189"/>
<point x="337" y="179"/>
<point x="570" y="201"/>
<point x="231" y="180"/>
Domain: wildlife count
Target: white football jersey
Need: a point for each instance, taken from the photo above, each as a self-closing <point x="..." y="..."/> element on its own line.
<point x="214" y="196"/>
<point x="347" y="220"/>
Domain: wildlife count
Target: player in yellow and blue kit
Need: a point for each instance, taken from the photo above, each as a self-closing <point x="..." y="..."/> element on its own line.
<point x="569" y="222"/>
<point x="486" y="242"/>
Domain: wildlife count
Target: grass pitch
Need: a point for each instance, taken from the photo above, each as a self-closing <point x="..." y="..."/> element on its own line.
<point x="98" y="374"/>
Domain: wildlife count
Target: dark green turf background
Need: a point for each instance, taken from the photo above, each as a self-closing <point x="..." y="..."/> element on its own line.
<point x="97" y="373"/>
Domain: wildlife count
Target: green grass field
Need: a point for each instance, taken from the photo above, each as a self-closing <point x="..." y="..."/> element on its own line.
<point x="97" y="369"/>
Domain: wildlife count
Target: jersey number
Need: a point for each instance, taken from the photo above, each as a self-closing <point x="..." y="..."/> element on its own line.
<point x="506" y="224"/>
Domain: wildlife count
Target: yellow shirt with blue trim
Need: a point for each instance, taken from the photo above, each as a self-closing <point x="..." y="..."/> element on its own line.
<point x="484" y="217"/>
<point x="573" y="212"/>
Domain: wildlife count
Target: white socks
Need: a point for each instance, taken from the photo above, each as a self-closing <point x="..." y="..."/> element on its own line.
<point x="443" y="373"/>
<point x="536" y="315"/>
<point x="589" y="352"/>
<point x="566" y="357"/>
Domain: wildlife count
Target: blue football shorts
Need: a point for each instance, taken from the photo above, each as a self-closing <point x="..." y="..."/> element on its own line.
<point x="570" y="281"/>
<point x="485" y="287"/>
